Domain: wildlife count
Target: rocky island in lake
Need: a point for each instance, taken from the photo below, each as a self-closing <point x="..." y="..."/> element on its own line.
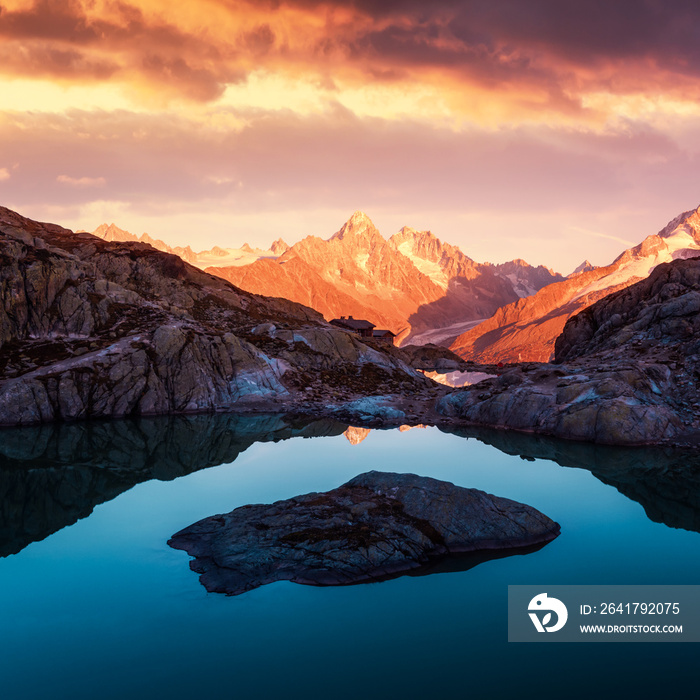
<point x="375" y="526"/>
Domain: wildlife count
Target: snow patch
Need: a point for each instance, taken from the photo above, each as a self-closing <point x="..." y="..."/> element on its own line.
<point x="427" y="267"/>
<point x="231" y="257"/>
<point x="457" y="378"/>
<point x="520" y="287"/>
<point x="679" y="244"/>
<point x="361" y="260"/>
<point x="439" y="335"/>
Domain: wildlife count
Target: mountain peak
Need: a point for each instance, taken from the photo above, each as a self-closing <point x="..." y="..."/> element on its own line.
<point x="408" y="232"/>
<point x="111" y="232"/>
<point x="358" y="224"/>
<point x="279" y="247"/>
<point x="585" y="266"/>
<point x="359" y="217"/>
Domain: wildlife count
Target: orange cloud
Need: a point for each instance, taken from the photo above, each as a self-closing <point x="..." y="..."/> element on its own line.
<point x="255" y="109"/>
<point x="540" y="57"/>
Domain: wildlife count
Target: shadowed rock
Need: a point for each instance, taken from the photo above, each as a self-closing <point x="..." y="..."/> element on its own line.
<point x="374" y="526"/>
<point x="93" y="329"/>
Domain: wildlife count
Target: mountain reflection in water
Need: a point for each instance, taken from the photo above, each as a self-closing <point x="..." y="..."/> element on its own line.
<point x="664" y="481"/>
<point x="51" y="476"/>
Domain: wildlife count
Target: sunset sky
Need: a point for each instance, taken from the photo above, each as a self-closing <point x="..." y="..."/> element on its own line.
<point x="543" y="129"/>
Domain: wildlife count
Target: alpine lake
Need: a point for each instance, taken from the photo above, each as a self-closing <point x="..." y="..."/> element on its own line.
<point x="95" y="605"/>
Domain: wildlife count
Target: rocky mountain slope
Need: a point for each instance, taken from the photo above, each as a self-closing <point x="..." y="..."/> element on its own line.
<point x="656" y="318"/>
<point x="96" y="328"/>
<point x="627" y="373"/>
<point x="526" y="330"/>
<point x="411" y="283"/>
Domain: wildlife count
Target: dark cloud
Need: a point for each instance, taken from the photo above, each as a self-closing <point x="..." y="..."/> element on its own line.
<point x="48" y="19"/>
<point x="555" y="47"/>
<point x="501" y="41"/>
<point x="260" y="40"/>
<point x="195" y="83"/>
<point x="34" y="60"/>
<point x="57" y="38"/>
<point x="586" y="32"/>
<point x="68" y="21"/>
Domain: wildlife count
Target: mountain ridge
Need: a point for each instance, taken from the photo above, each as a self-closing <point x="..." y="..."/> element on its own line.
<point x="527" y="329"/>
<point x="625" y="370"/>
<point x="409" y="283"/>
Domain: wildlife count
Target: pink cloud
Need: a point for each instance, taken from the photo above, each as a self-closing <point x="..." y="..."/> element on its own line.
<point x="81" y="181"/>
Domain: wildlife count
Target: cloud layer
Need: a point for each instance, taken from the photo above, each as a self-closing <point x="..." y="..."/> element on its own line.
<point x="540" y="54"/>
<point x="489" y="111"/>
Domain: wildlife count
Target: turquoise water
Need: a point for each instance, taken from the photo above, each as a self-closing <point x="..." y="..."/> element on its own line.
<point x="103" y="608"/>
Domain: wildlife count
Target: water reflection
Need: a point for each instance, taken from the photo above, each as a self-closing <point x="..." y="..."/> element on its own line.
<point x="53" y="475"/>
<point x="665" y="481"/>
<point x="457" y="378"/>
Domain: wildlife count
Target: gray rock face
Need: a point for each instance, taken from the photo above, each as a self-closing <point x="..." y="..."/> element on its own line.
<point x="376" y="525"/>
<point x="618" y="405"/>
<point x="93" y="328"/>
<point x="628" y="371"/>
<point x="653" y="317"/>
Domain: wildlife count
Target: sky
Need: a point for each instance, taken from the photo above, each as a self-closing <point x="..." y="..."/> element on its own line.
<point x="549" y="130"/>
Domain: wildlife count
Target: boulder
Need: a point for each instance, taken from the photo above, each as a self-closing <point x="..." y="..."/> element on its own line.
<point x="375" y="526"/>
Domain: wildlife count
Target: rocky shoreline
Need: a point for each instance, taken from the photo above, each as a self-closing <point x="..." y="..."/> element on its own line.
<point x="96" y="329"/>
<point x="626" y="371"/>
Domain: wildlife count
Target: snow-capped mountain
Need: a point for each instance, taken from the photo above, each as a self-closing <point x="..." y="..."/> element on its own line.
<point x="245" y="255"/>
<point x="526" y="330"/>
<point x="412" y="283"/>
<point x="585" y="266"/>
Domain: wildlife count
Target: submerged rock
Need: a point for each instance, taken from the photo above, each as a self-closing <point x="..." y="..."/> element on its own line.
<point x="374" y="526"/>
